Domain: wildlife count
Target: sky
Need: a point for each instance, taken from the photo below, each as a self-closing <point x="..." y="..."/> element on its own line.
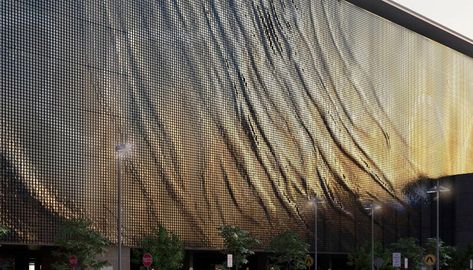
<point x="454" y="14"/>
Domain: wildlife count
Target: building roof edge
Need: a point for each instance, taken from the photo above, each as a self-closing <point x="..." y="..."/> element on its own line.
<point x="417" y="23"/>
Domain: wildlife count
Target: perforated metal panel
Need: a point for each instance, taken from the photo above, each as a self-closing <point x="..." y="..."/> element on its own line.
<point x="238" y="111"/>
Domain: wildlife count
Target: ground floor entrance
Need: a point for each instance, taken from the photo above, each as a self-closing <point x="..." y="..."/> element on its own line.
<point x="25" y="257"/>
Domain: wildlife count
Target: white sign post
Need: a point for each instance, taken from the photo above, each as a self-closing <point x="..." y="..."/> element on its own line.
<point x="406" y="263"/>
<point x="396" y="259"/>
<point x="229" y="260"/>
<point x="471" y="264"/>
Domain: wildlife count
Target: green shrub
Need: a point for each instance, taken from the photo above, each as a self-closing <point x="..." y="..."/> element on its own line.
<point x="76" y="237"/>
<point x="409" y="248"/>
<point x="165" y="247"/>
<point x="289" y="251"/>
<point x="239" y="243"/>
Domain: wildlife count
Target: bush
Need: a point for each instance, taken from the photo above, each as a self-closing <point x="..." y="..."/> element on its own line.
<point x="446" y="252"/>
<point x="239" y="243"/>
<point x="289" y="251"/>
<point x="76" y="237"/>
<point x="165" y="247"/>
<point x="360" y="257"/>
<point x="3" y="231"/>
<point x="409" y="248"/>
<point x="462" y="258"/>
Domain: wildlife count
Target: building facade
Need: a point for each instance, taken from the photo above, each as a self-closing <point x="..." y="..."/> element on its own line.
<point x="238" y="112"/>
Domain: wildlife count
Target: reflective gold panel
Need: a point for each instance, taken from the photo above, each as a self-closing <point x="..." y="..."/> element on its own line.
<point x="239" y="112"/>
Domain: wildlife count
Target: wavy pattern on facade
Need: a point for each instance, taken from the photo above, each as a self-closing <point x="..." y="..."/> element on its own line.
<point x="239" y="112"/>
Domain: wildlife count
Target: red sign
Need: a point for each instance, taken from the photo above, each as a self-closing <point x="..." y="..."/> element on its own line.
<point x="73" y="261"/>
<point x="147" y="259"/>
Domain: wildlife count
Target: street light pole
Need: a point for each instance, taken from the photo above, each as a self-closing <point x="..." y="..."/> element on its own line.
<point x="437" y="190"/>
<point x="372" y="207"/>
<point x="438" y="227"/>
<point x="316" y="232"/>
<point x="119" y="214"/>
<point x="372" y="237"/>
<point x="121" y="150"/>
<point x="315" y="201"/>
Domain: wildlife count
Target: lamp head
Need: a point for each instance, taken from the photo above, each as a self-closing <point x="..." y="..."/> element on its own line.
<point x="315" y="200"/>
<point x="123" y="149"/>
<point x="372" y="206"/>
<point x="441" y="189"/>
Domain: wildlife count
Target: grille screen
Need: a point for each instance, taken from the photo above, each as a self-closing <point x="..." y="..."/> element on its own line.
<point x="238" y="111"/>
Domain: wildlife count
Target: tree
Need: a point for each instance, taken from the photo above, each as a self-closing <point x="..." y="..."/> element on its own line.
<point x="462" y="257"/>
<point x="360" y="257"/>
<point x="8" y="263"/>
<point x="289" y="251"/>
<point x="3" y="231"/>
<point x="446" y="252"/>
<point x="165" y="247"/>
<point x="409" y="248"/>
<point x="76" y="237"/>
<point x="239" y="243"/>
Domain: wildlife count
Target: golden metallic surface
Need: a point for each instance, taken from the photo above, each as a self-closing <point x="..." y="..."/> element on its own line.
<point x="238" y="112"/>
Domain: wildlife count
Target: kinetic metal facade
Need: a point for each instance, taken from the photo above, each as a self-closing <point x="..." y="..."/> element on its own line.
<point x="238" y="111"/>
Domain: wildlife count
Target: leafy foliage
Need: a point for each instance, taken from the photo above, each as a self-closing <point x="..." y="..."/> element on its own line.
<point x="446" y="252"/>
<point x="462" y="257"/>
<point x="3" y="231"/>
<point x="239" y="243"/>
<point x="76" y="237"/>
<point x="409" y="248"/>
<point x="165" y="247"/>
<point x="289" y="251"/>
<point x="360" y="257"/>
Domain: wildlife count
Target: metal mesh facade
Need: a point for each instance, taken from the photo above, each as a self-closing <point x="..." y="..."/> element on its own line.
<point x="238" y="111"/>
